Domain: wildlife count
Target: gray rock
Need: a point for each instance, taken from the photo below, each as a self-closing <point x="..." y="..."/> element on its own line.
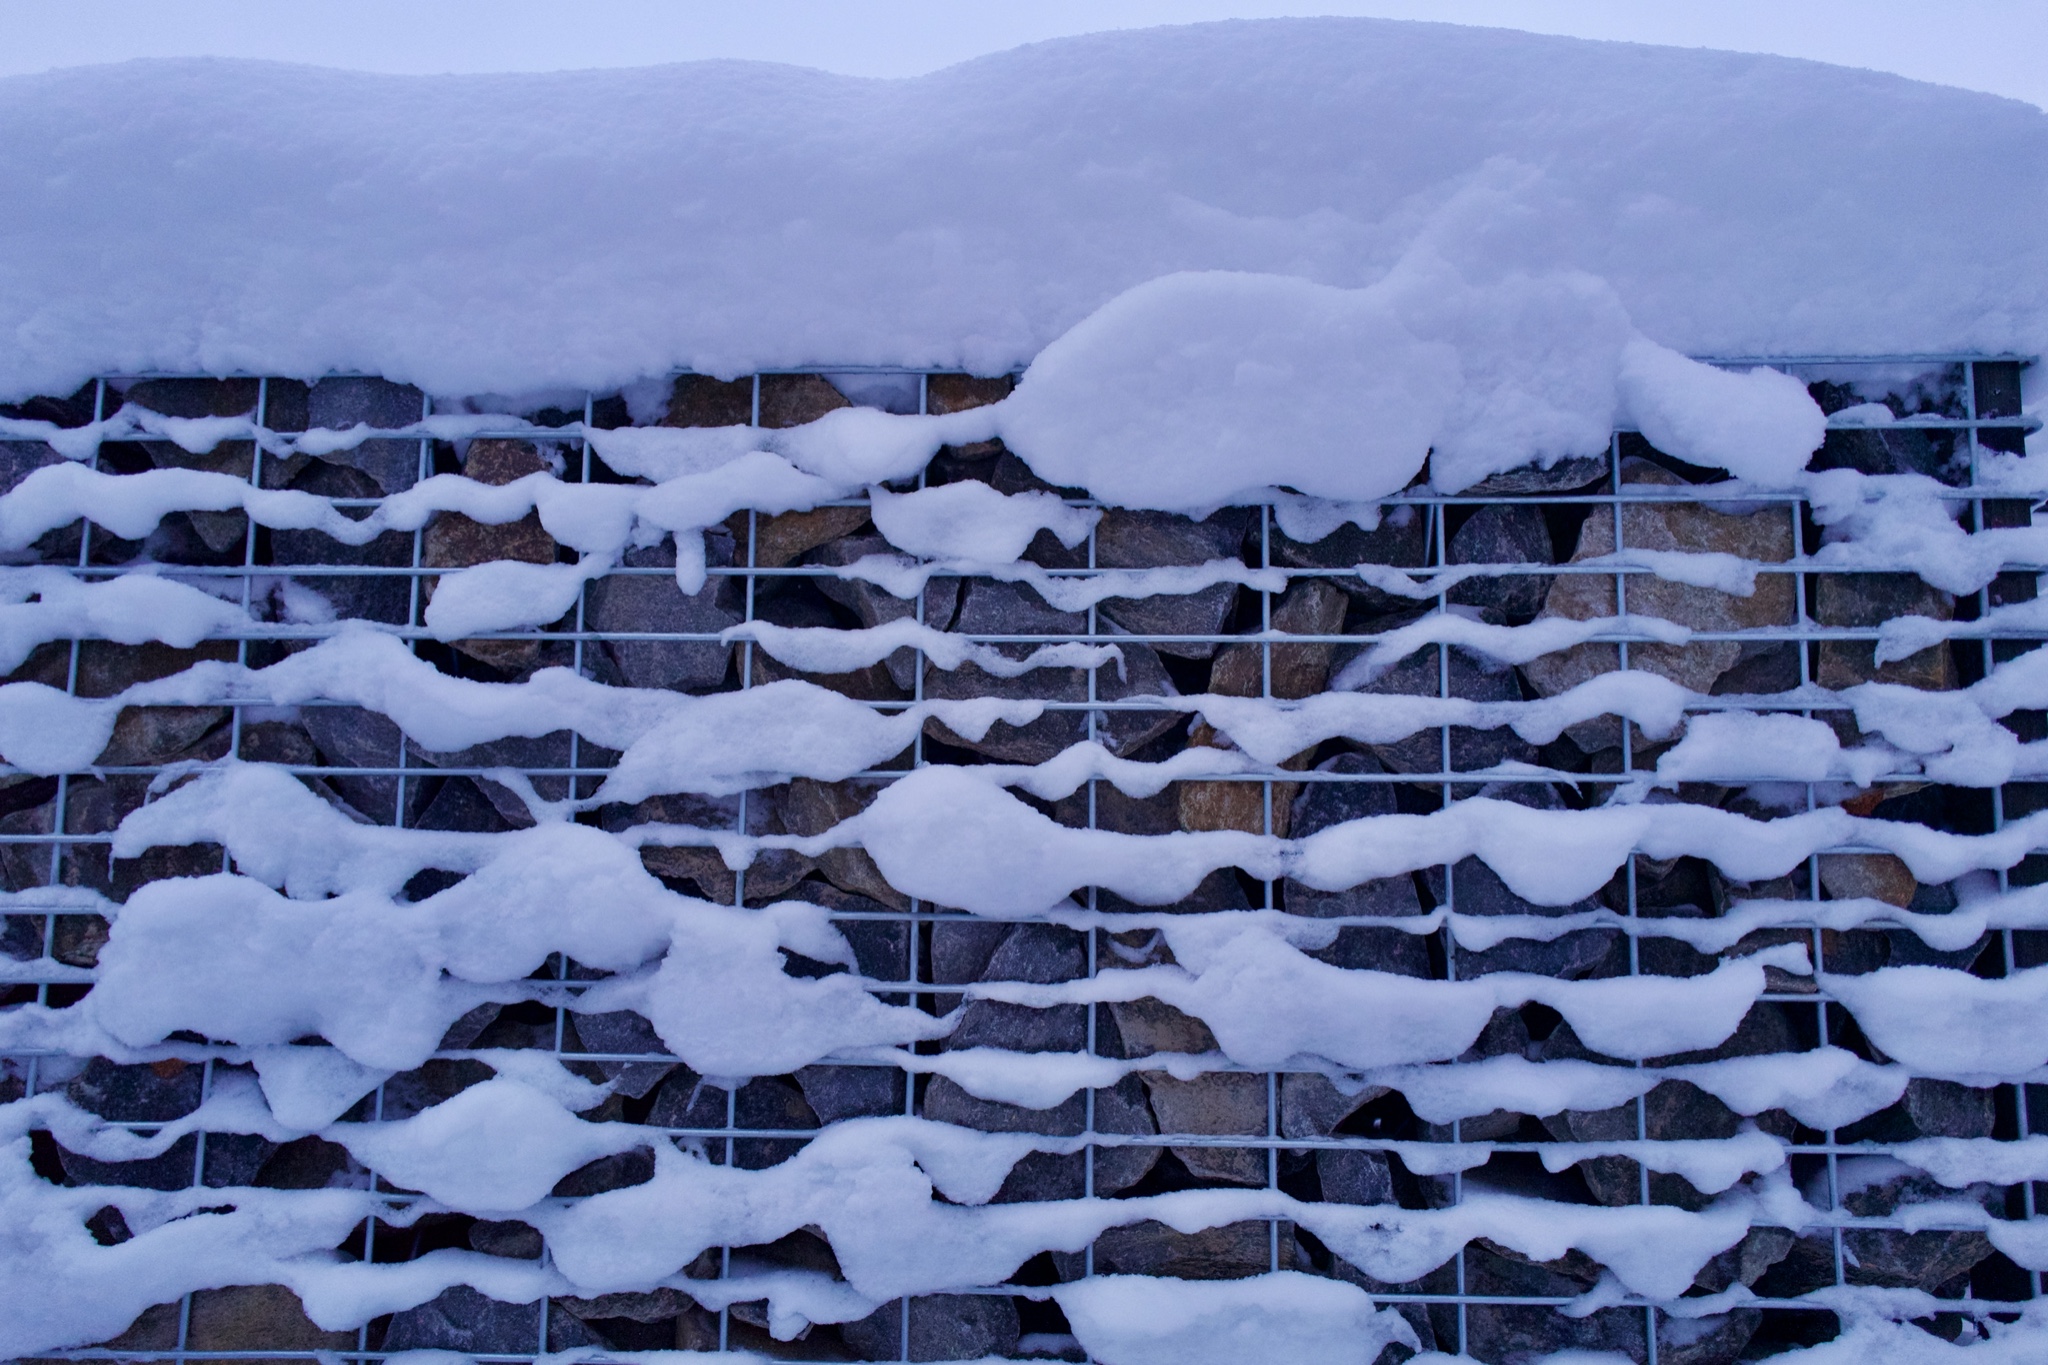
<point x="1143" y="540"/>
<point x="946" y="1102"/>
<point x="653" y="603"/>
<point x="1907" y="1260"/>
<point x="1673" y="1110"/>
<point x="1706" y="1341"/>
<point x="519" y="1241"/>
<point x="1504" y="533"/>
<point x="1037" y="953"/>
<point x="874" y="607"/>
<point x="990" y="608"/>
<point x="942" y="1327"/>
<point x="1321" y="805"/>
<point x="1947" y="1109"/>
<point x="1311" y="1106"/>
<point x="618" y="1171"/>
<point x="1870" y="599"/>
<point x="849" y="1092"/>
<point x="147" y="1093"/>
<point x="623" y="1031"/>
<point x="1568" y="475"/>
<point x="1515" y="1332"/>
<point x="1354" y="1177"/>
<point x="340" y="403"/>
<point x="1401" y="541"/>
<point x="1230" y="1252"/>
<point x="460" y="1319"/>
<point x="1420" y="675"/>
<point x="352" y="737"/>
<point x="1122" y="1109"/>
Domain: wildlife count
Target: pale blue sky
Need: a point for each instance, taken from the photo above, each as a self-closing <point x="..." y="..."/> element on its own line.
<point x="1995" y="45"/>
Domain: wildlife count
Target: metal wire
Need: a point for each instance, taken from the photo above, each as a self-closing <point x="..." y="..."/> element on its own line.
<point x="919" y="984"/>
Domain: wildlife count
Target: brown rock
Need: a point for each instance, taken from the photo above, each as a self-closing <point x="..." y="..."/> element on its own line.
<point x="453" y="541"/>
<point x="1764" y="537"/>
<point x="790" y="400"/>
<point x="698" y="400"/>
<point x="264" y="1317"/>
<point x="782" y="539"/>
<point x="1880" y="876"/>
<point x="1222" y="1103"/>
<point x="959" y="392"/>
<point x="1149" y="1026"/>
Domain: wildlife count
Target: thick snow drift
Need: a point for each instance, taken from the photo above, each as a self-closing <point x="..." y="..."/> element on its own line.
<point x="494" y="233"/>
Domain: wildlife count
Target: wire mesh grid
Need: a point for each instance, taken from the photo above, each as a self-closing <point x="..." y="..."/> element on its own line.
<point x="1984" y="388"/>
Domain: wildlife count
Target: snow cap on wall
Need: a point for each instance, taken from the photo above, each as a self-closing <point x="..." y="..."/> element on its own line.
<point x="499" y="233"/>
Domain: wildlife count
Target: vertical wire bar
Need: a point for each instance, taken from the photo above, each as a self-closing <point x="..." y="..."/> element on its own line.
<point x="1633" y="908"/>
<point x="1094" y="939"/>
<point x="1439" y="536"/>
<point x="1267" y="828"/>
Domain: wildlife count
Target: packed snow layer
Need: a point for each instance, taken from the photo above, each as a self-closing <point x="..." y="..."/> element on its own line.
<point x="507" y="233"/>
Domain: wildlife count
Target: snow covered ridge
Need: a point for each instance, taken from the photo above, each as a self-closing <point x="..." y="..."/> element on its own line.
<point x="510" y="232"/>
<point x="790" y="868"/>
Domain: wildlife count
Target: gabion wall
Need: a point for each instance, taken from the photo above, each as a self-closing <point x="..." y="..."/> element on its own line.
<point x="1312" y="1134"/>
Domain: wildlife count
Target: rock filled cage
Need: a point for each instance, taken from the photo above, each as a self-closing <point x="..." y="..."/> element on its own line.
<point x="1202" y="1169"/>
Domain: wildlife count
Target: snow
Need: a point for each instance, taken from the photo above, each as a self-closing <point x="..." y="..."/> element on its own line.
<point x="811" y="229"/>
<point x="1414" y="258"/>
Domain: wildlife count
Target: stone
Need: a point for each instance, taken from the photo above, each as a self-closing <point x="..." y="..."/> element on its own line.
<point x="516" y="1240"/>
<point x="1321" y="805"/>
<point x="1569" y="475"/>
<point x="1905" y="1260"/>
<point x="310" y="1163"/>
<point x="353" y="737"/>
<point x="1765" y="537"/>
<point x="1220" y="1103"/>
<point x="1880" y="876"/>
<point x="1706" y="1341"/>
<point x="271" y="741"/>
<point x="875" y="607"/>
<point x="454" y="541"/>
<point x="851" y="1092"/>
<point x="624" y="1032"/>
<point x="461" y="1319"/>
<point x="783" y="539"/>
<point x="1040" y="954"/>
<point x="257" y="1317"/>
<point x="942" y="1327"/>
<point x="1401" y="541"/>
<point x="1503" y="533"/>
<point x="1311" y="1106"/>
<point x="152" y="1092"/>
<point x="1871" y="599"/>
<point x="658" y="1305"/>
<point x="1123" y="1109"/>
<point x="1473" y="888"/>
<point x="1516" y="1332"/>
<point x="1149" y="1026"/>
<point x="814" y="807"/>
<point x="1947" y="1109"/>
<point x="991" y="608"/>
<point x="958" y="392"/>
<point x="1146" y="540"/>
<point x="1879" y="450"/>
<point x="1310" y="607"/>
<point x="1230" y="1252"/>
<point x="653" y="603"/>
<point x="385" y="597"/>
<point x="1351" y="1176"/>
<point x="791" y="400"/>
<point x="946" y="1102"/>
<point x="459" y="806"/>
<point x="1747" y="1261"/>
<point x="342" y="402"/>
<point x="1421" y="674"/>
<point x="698" y="400"/>
<point x="1673" y="1110"/>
